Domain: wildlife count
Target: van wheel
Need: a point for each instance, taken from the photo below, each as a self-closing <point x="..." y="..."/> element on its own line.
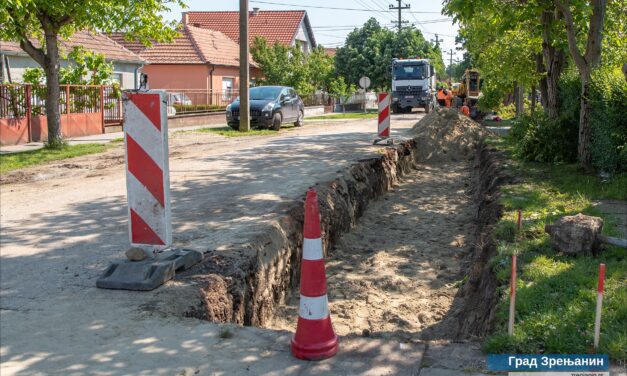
<point x="427" y="108"/>
<point x="276" y="121"/>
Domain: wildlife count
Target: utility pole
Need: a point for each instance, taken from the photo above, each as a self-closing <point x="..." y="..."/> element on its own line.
<point x="437" y="41"/>
<point x="244" y="78"/>
<point x="400" y="8"/>
<point x="451" y="53"/>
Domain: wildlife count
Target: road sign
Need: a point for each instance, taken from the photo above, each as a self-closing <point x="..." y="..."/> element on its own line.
<point x="147" y="173"/>
<point x="364" y="82"/>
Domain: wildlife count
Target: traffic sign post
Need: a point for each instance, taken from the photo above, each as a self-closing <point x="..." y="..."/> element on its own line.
<point x="364" y="83"/>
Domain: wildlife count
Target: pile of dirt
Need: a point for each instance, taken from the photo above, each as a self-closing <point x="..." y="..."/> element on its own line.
<point x="447" y="135"/>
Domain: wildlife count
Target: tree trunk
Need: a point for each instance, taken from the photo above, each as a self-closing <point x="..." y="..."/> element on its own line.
<point x="533" y="99"/>
<point x="544" y="91"/>
<point x="519" y="99"/>
<point x="53" y="113"/>
<point x="584" y="152"/>
<point x="585" y="64"/>
<point x="554" y="59"/>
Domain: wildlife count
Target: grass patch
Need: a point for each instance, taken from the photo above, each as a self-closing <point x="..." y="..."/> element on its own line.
<point x="117" y="140"/>
<point x="502" y="123"/>
<point x="230" y="132"/>
<point x="348" y="115"/>
<point x="556" y="293"/>
<point x="14" y="161"/>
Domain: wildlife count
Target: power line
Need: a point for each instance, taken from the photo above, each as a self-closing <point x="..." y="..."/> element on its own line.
<point x="332" y="8"/>
<point x="359" y="2"/>
<point x="331" y="35"/>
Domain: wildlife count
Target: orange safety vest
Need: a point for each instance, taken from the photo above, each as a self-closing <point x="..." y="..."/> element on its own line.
<point x="465" y="110"/>
<point x="441" y="94"/>
<point x="449" y="99"/>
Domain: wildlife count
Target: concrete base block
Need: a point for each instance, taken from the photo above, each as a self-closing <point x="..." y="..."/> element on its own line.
<point x="148" y="274"/>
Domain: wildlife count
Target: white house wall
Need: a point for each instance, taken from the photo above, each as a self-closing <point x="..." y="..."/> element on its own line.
<point x="124" y="71"/>
<point x="303" y="36"/>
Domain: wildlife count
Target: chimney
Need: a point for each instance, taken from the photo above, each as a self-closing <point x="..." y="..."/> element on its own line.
<point x="255" y="11"/>
<point x="185" y="18"/>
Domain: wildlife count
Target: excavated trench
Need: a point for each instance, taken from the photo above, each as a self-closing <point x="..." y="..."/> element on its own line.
<point x="252" y="284"/>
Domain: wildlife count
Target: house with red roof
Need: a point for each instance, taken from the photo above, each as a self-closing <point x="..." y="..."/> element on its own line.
<point x="288" y="27"/>
<point x="201" y="63"/>
<point x="126" y="64"/>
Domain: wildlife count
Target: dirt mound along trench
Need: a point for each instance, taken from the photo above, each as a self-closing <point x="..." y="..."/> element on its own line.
<point x="447" y="135"/>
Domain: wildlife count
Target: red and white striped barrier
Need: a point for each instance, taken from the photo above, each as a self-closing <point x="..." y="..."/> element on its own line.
<point x="597" y="317"/>
<point x="147" y="172"/>
<point x="384" y="115"/>
<point x="314" y="338"/>
<point x="512" y="298"/>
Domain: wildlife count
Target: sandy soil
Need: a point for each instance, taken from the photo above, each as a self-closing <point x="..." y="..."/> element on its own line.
<point x="396" y="273"/>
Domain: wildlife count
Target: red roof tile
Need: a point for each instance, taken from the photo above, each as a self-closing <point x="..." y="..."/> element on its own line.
<point x="96" y="42"/>
<point x="331" y="51"/>
<point x="193" y="45"/>
<point x="276" y="26"/>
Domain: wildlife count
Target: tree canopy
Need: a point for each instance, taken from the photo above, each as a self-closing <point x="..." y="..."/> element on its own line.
<point x="290" y="66"/>
<point x="369" y="51"/>
<point x="26" y="21"/>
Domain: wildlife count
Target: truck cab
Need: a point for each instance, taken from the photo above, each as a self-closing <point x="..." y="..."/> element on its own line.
<point x="413" y="85"/>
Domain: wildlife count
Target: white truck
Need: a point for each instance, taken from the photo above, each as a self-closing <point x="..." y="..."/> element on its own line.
<point x="413" y="85"/>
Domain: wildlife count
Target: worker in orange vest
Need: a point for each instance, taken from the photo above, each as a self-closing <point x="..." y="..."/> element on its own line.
<point x="465" y="109"/>
<point x="449" y="98"/>
<point x="441" y="97"/>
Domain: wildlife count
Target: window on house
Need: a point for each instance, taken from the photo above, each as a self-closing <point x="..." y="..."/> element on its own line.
<point x="227" y="88"/>
<point x="117" y="77"/>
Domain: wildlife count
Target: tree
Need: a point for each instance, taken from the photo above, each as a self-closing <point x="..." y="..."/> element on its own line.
<point x="321" y="69"/>
<point x="369" y="51"/>
<point x="524" y="34"/>
<point x="342" y="91"/>
<point x="37" y="26"/>
<point x="86" y="68"/>
<point x="586" y="62"/>
<point x="289" y="66"/>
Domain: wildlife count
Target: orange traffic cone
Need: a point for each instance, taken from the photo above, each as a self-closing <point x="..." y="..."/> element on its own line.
<point x="314" y="338"/>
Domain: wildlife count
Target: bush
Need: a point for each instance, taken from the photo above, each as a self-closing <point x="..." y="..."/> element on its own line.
<point x="541" y="139"/>
<point x="609" y="105"/>
<point x="492" y="98"/>
<point x="609" y="125"/>
<point x="197" y="107"/>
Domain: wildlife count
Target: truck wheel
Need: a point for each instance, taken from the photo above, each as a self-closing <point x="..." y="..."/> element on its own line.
<point x="427" y="108"/>
<point x="396" y="109"/>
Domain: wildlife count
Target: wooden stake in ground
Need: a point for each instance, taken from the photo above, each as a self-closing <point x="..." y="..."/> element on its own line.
<point x="597" y="319"/>
<point x="512" y="299"/>
<point x="519" y="220"/>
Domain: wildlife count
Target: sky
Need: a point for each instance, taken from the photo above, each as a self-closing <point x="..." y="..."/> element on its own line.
<point x="330" y="26"/>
